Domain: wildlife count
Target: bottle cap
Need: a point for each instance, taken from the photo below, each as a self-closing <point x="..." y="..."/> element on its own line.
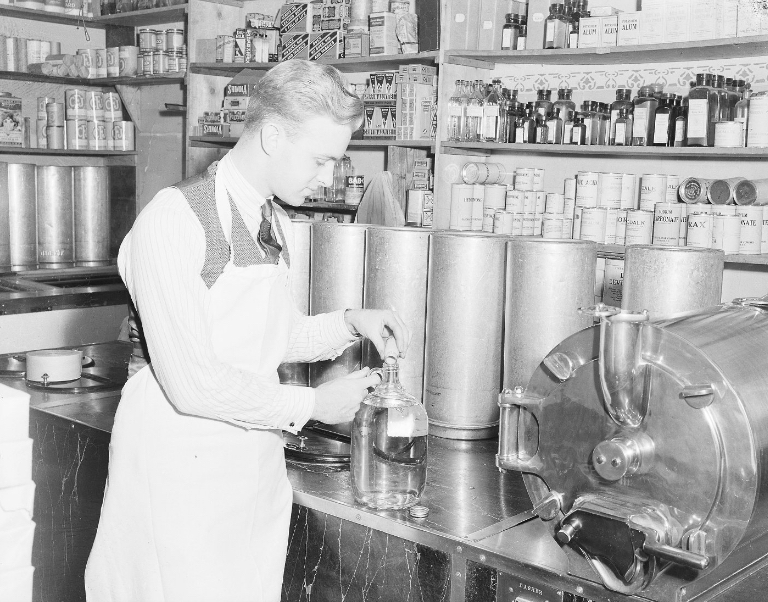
<point x="418" y="511"/>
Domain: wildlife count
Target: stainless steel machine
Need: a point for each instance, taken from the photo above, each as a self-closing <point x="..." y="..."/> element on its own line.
<point x="644" y="447"/>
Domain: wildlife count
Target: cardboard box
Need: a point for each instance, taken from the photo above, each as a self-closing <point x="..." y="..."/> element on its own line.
<point x="628" y="32"/>
<point x="259" y="20"/>
<point x="382" y="29"/>
<point x="296" y="17"/>
<point x="677" y="26"/>
<point x="335" y="11"/>
<point x="334" y="25"/>
<point x="415" y="104"/>
<point x="492" y="19"/>
<point x="609" y="27"/>
<point x="11" y="122"/>
<point x="462" y="24"/>
<point x="603" y="11"/>
<point x="356" y="44"/>
<point x="243" y="84"/>
<point x="706" y="19"/>
<point x="538" y="10"/>
<point x="590" y="32"/>
<point x="421" y="69"/>
<point x="326" y="45"/>
<point x="295" y="46"/>
<point x="236" y="123"/>
<point x="653" y="21"/>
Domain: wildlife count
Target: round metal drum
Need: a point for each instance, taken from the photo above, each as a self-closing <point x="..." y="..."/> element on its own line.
<point x="92" y="215"/>
<point x="55" y="228"/>
<point x="22" y="215"/>
<point x="337" y="266"/>
<point x="547" y="282"/>
<point x="396" y="261"/>
<point x="298" y="373"/>
<point x="668" y="281"/>
<point x="5" y="227"/>
<point x="464" y="336"/>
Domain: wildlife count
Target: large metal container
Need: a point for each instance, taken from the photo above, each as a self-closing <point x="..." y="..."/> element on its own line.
<point x="55" y="213"/>
<point x="464" y="336"/>
<point x="298" y="373"/>
<point x="396" y="261"/>
<point x="548" y="281"/>
<point x="337" y="267"/>
<point x="668" y="280"/>
<point x="22" y="212"/>
<point x="92" y="215"/>
<point x="5" y="227"/>
<point x="654" y="448"/>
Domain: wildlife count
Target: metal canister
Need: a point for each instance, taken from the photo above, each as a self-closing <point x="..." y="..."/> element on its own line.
<point x="503" y="222"/>
<point x="629" y="191"/>
<point x="92" y="215"/>
<point x="726" y="232"/>
<point x="396" y="261"/>
<point x="538" y="179"/>
<point x="113" y="107"/>
<point x="666" y="224"/>
<point x="639" y="229"/>
<point x="699" y="231"/>
<point x="55" y="232"/>
<point x="673" y="183"/>
<point x="75" y="101"/>
<point x="77" y="134"/>
<point x="145" y="63"/>
<point x="174" y="39"/>
<point x="750" y="234"/>
<point x="159" y="62"/>
<point x="667" y="280"/>
<point x="517" y="224"/>
<point x="593" y="221"/>
<point x="529" y="224"/>
<point x="42" y="112"/>
<point x="524" y="178"/>
<point x="552" y="226"/>
<point x="555" y="203"/>
<point x="101" y="62"/>
<point x="34" y="52"/>
<point x="693" y="190"/>
<point x="54" y="137"/>
<point x="160" y="40"/>
<point x="337" y="265"/>
<point x="42" y="134"/>
<point x="94" y="105"/>
<point x="515" y="201"/>
<point x="478" y="195"/>
<point x="653" y="189"/>
<point x="298" y="373"/>
<point x="55" y="114"/>
<point x="621" y="227"/>
<point x="587" y="188"/>
<point x="611" y="217"/>
<point x="529" y="202"/>
<point x="174" y="59"/>
<point x="113" y="61"/>
<point x="464" y="334"/>
<point x="5" y="226"/>
<point x="147" y="39"/>
<point x="123" y="136"/>
<point x="97" y="135"/>
<point x="569" y="188"/>
<point x="547" y="282"/>
<point x="462" y="196"/>
<point x="22" y="215"/>
<point x="609" y="190"/>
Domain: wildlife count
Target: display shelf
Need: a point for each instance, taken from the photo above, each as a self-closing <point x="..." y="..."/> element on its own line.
<point x="321" y="206"/>
<point x="15" y="150"/>
<point x="151" y="16"/>
<point x="607" y="151"/>
<point x="352" y="65"/>
<point x="617" y="55"/>
<point x="229" y="142"/>
<point x="617" y="251"/>
<point x="48" y="17"/>
<point x="156" y="80"/>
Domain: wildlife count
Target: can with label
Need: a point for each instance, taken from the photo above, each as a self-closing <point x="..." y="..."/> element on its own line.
<point x="529" y="204"/>
<point x="159" y="62"/>
<point x="666" y="224"/>
<point x="113" y="107"/>
<point x="42" y="134"/>
<point x="89" y="61"/>
<point x="94" y="105"/>
<point x="552" y="226"/>
<point x="621" y="227"/>
<point x="587" y="188"/>
<point x="569" y="205"/>
<point x="683" y="224"/>
<point x="461" y="206"/>
<point x="524" y="178"/>
<point x="593" y="221"/>
<point x="174" y="39"/>
<point x="101" y="62"/>
<point x="160" y="40"/>
<point x="613" y="282"/>
<point x="474" y="173"/>
<point x="54" y="112"/>
<point x="502" y="222"/>
<point x="569" y="188"/>
<point x="751" y="231"/>
<point x="699" y="231"/>
<point x="225" y="49"/>
<point x="757" y="128"/>
<point x="576" y="230"/>
<point x="609" y="190"/>
<point x="174" y="61"/>
<point x="538" y="179"/>
<point x="147" y="39"/>
<point x="699" y="208"/>
<point x="673" y="183"/>
<point x="693" y="190"/>
<point x="653" y="189"/>
<point x="77" y="134"/>
<point x="517" y="224"/>
<point x="55" y="137"/>
<point x="128" y="58"/>
<point x="555" y="203"/>
<point x="34" y="52"/>
<point x="123" y="136"/>
<point x="529" y="224"/>
<point x="639" y="229"/>
<point x="41" y="102"/>
<point x="515" y="201"/>
<point x="477" y="207"/>
<point x="764" y="239"/>
<point x="414" y="208"/>
<point x="611" y="217"/>
<point x="723" y="209"/>
<point x="75" y="100"/>
<point x="355" y="189"/>
<point x="495" y="196"/>
<point x="567" y="228"/>
<point x="145" y="63"/>
<point x="629" y="190"/>
<point x="97" y="135"/>
<point x="113" y="61"/>
<point x="541" y="202"/>
<point x="538" y="220"/>
<point x="726" y="230"/>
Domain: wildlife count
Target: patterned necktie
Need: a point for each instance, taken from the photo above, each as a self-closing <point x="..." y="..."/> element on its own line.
<point x="271" y="247"/>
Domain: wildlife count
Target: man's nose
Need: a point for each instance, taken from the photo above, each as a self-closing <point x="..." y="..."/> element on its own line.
<point x="325" y="176"/>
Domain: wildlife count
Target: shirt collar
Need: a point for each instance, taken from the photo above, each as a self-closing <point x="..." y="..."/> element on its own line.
<point x="245" y="196"/>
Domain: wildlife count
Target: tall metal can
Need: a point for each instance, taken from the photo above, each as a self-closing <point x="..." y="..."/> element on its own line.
<point x="22" y="215"/>
<point x="5" y="226"/>
<point x="55" y="230"/>
<point x="92" y="215"/>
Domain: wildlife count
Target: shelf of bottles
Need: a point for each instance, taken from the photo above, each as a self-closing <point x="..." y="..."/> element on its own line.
<point x="229" y="142"/>
<point x="712" y="121"/>
<point x="155" y="80"/>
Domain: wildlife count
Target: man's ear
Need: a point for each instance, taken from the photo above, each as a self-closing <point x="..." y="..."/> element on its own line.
<point x="270" y="135"/>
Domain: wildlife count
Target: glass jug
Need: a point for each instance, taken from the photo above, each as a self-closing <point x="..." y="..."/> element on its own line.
<point x="389" y="445"/>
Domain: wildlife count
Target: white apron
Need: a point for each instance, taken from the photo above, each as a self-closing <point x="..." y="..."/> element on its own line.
<point x="198" y="510"/>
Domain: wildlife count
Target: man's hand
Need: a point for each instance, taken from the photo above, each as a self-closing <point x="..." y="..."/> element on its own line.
<point x="378" y="325"/>
<point x="337" y="400"/>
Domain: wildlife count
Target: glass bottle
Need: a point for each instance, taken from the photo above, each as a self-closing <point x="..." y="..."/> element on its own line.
<point x="579" y="133"/>
<point x="741" y="114"/>
<point x="522" y="37"/>
<point x="623" y="101"/>
<point x="389" y="445"/>
<point x="543" y="102"/>
<point x="491" y="112"/>
<point x="664" y="122"/>
<point x="723" y="112"/>
<point x="510" y="32"/>
<point x="622" y="128"/>
<point x="556" y="27"/>
<point x="605" y="123"/>
<point x="644" y="115"/>
<point x="681" y="124"/>
<point x="702" y="106"/>
<point x="555" y="127"/>
<point x="541" y="134"/>
<point x="513" y="111"/>
<point x="564" y="103"/>
<point x="473" y="123"/>
<point x="457" y="109"/>
<point x="579" y="11"/>
<point x="568" y="128"/>
<point x="529" y="135"/>
<point x="734" y="96"/>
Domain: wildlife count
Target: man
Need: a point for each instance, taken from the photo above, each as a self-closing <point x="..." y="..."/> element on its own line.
<point x="198" y="503"/>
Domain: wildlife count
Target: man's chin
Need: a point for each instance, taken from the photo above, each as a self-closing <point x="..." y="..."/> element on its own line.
<point x="293" y="201"/>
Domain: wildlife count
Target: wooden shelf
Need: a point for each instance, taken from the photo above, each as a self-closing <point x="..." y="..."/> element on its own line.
<point x="728" y="48"/>
<point x="617" y="251"/>
<point x="321" y="206"/>
<point x="15" y="150"/>
<point x="485" y="148"/>
<point x="48" y="17"/>
<point x="353" y="65"/>
<point x="151" y="16"/>
<point x="229" y="142"/>
<point x="156" y="80"/>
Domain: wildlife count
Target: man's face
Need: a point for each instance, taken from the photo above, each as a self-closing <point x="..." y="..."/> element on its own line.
<point x="303" y="163"/>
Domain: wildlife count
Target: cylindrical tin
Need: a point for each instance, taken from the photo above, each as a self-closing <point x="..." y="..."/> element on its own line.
<point x="529" y="203"/>
<point x="147" y="38"/>
<point x="541" y="202"/>
<point x="569" y="206"/>
<point x="174" y="39"/>
<point x="75" y="101"/>
<point x="593" y="220"/>
<point x="673" y="183"/>
<point x="764" y="240"/>
<point x="751" y="231"/>
<point x="461" y="206"/>
<point x="524" y="178"/>
<point x="54" y="137"/>
<point x="477" y="207"/>
<point x="159" y="62"/>
<point x="42" y="111"/>
<point x="552" y="226"/>
<point x="720" y="192"/>
<point x="77" y="134"/>
<point x="497" y="173"/>
<point x="94" y="105"/>
<point x="89" y="61"/>
<point x="547" y="282"/>
<point x="577" y="213"/>
<point x="609" y="190"/>
<point x="298" y="373"/>
<point x="538" y="219"/>
<point x="613" y="282"/>
<point x="515" y="201"/>
<point x="745" y="192"/>
<point x="337" y="265"/>
<point x="555" y="203"/>
<point x="54" y="112"/>
<point x="97" y="135"/>
<point x="538" y="179"/>
<point x="92" y="215"/>
<point x="693" y="190"/>
<point x="464" y="334"/>
<point x="729" y="134"/>
<point x="495" y="196"/>
<point x="145" y="63"/>
<point x="757" y="128"/>
<point x="587" y="188"/>
<point x="5" y="226"/>
<point x="396" y="261"/>
<point x="726" y="232"/>
<point x="683" y="231"/>
<point x="639" y="230"/>
<point x="666" y="224"/>
<point x="45" y="49"/>
<point x="668" y="281"/>
<point x="42" y="134"/>
<point x="567" y="228"/>
<point x="22" y="215"/>
<point x="723" y="209"/>
<point x="34" y="52"/>
<point x="611" y="217"/>
<point x="55" y="230"/>
<point x="700" y="208"/>
<point x="123" y="135"/>
<point x="529" y="224"/>
<point x="489" y="216"/>
<point x="621" y="227"/>
<point x="113" y="61"/>
<point x="517" y="224"/>
<point x="653" y="189"/>
<point x="474" y="173"/>
<point x="128" y="61"/>
<point x="113" y="107"/>
<point x="699" y="231"/>
<point x="569" y="188"/>
<point x="503" y="222"/>
<point x="101" y="62"/>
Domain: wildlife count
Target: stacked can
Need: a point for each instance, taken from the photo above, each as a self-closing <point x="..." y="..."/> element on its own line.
<point x="54" y="123"/>
<point x="483" y="192"/>
<point x="42" y="120"/>
<point x="161" y="51"/>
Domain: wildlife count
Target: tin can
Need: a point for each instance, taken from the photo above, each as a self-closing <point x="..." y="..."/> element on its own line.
<point x="609" y="190"/>
<point x="147" y="39"/>
<point x="693" y="190"/>
<point x="113" y="107"/>
<point x="569" y="188"/>
<point x="474" y="173"/>
<point x="517" y="224"/>
<point x="42" y="134"/>
<point x="611" y="217"/>
<point x="538" y="179"/>
<point x="683" y="225"/>
<point x="729" y="134"/>
<point x="515" y="201"/>
<point x="653" y="189"/>
<point x="356" y="188"/>
<point x="495" y="196"/>
<point x="529" y="224"/>
<point x="723" y="209"/>
<point x="503" y="222"/>
<point x="726" y="230"/>
<point x="128" y="58"/>
<point x="555" y="203"/>
<point x="159" y="62"/>
<point x="567" y="228"/>
<point x="54" y="112"/>
<point x="587" y="188"/>
<point x="538" y="220"/>
<point x="757" y="128"/>
<point x="524" y="178"/>
<point x="639" y="230"/>
<point x="414" y="208"/>
<point x="613" y="282"/>
<point x="97" y="135"/>
<point x="699" y="231"/>
<point x="699" y="208"/>
<point x="461" y="206"/>
<point x="577" y="213"/>
<point x="552" y="226"/>
<point x="55" y="137"/>
<point x="569" y="205"/>
<point x="77" y="134"/>
<point x="94" y="105"/>
<point x="666" y="224"/>
<point x="764" y="239"/>
<point x="45" y="49"/>
<point x="89" y="61"/>
<point x="101" y="62"/>
<point x="529" y="203"/>
<point x="113" y="61"/>
<point x="751" y="231"/>
<point x="496" y="173"/>
<point x="621" y="227"/>
<point x="160" y="40"/>
<point x="34" y="51"/>
<point x="145" y="63"/>
<point x="593" y="222"/>
<point x="41" y="102"/>
<point x="174" y="39"/>
<point x="75" y="100"/>
<point x="673" y="183"/>
<point x="478" y="196"/>
<point x="541" y="202"/>
<point x="629" y="190"/>
<point x="123" y="136"/>
<point x="174" y="57"/>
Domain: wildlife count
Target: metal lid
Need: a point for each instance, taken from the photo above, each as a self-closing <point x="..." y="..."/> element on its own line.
<point x="418" y="511"/>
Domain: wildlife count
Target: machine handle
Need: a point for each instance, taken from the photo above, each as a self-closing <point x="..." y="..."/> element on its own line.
<point x="676" y="555"/>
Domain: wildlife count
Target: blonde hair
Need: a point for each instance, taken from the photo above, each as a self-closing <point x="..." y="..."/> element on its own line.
<point x="297" y="90"/>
